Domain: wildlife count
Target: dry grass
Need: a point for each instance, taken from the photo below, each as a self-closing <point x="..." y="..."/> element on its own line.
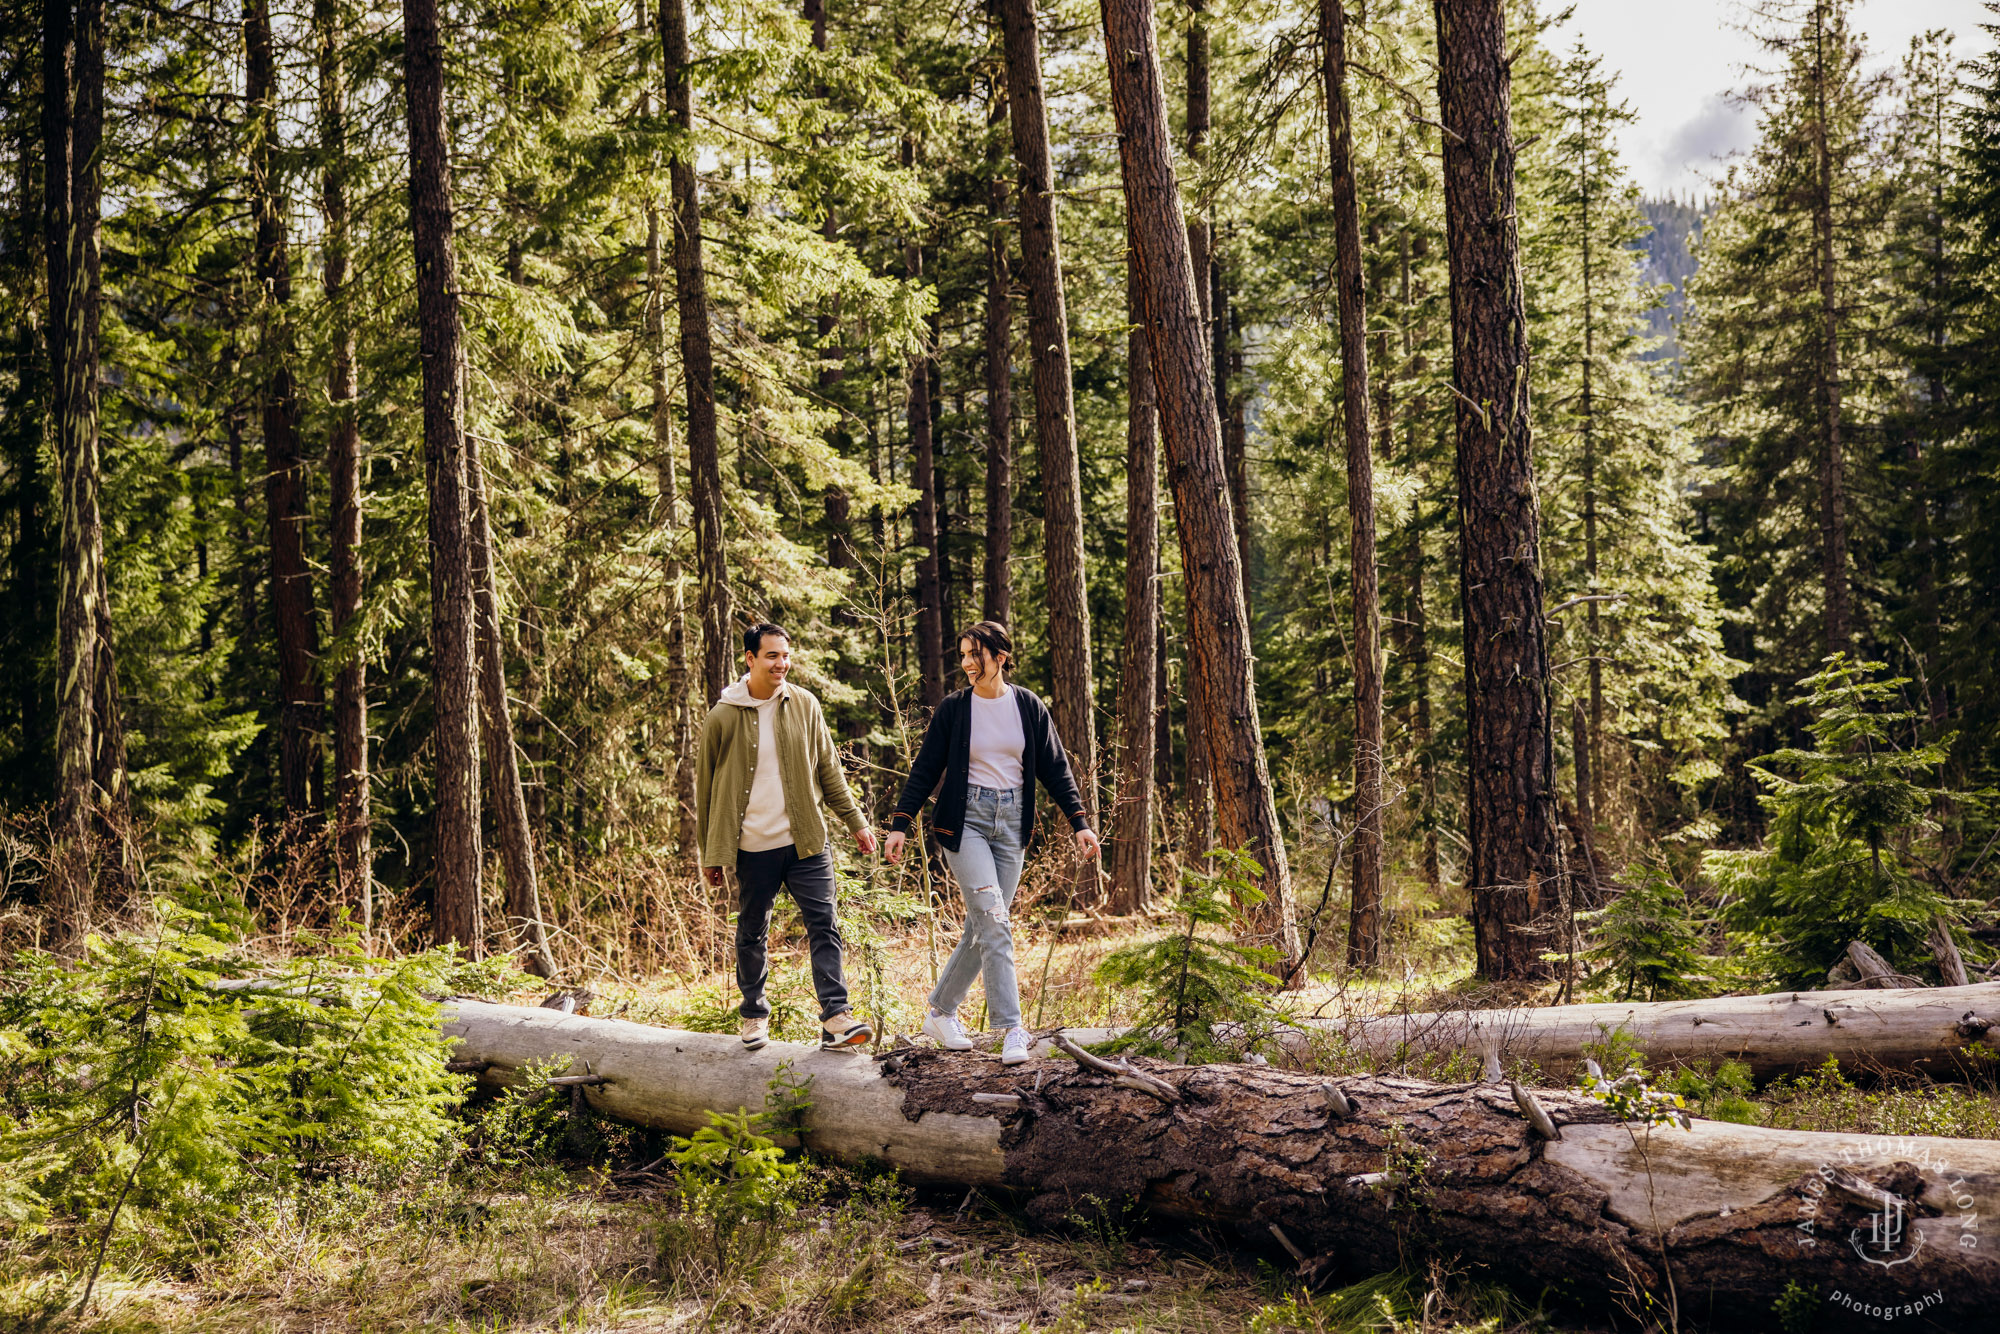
<point x="577" y="1255"/>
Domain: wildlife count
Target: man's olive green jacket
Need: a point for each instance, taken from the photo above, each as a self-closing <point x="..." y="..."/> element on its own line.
<point x="807" y="762"/>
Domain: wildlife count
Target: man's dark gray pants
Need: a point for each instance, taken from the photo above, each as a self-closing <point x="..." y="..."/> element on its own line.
<point x="759" y="876"/>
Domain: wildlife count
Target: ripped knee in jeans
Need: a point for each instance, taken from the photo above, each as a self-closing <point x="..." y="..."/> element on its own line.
<point x="989" y="901"/>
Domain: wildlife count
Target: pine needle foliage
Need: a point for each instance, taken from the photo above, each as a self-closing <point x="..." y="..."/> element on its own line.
<point x="1850" y="817"/>
<point x="1648" y="940"/>
<point x="1201" y="997"/>
<point x="145" y="1096"/>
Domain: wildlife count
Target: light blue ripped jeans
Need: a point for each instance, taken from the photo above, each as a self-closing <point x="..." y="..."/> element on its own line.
<point x="987" y="867"/>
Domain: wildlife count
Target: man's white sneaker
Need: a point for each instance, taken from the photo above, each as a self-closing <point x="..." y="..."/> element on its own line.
<point x="756" y="1032"/>
<point x="943" y="1029"/>
<point x="1014" y="1050"/>
<point x="844" y="1030"/>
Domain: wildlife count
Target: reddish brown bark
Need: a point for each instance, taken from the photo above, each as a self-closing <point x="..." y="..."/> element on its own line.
<point x="1071" y="701"/>
<point x="1364" y="939"/>
<point x="1218" y="622"/>
<point x="455" y="740"/>
<point x="1515" y="867"/>
<point x="1130" y="855"/>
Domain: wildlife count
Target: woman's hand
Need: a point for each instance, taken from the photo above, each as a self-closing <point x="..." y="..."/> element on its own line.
<point x="893" y="848"/>
<point x="1087" y="846"/>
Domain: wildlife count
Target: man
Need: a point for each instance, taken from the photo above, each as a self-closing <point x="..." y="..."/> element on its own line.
<point x="765" y="766"/>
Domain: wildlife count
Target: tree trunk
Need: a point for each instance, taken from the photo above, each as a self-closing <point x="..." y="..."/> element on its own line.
<point x="679" y="711"/>
<point x="1590" y="748"/>
<point x="1418" y="644"/>
<point x="697" y="360"/>
<point x="456" y="908"/>
<point x="1516" y="859"/>
<point x="1228" y="362"/>
<point x="352" y="848"/>
<point x="503" y="767"/>
<point x="72" y="82"/>
<point x="1222" y="683"/>
<point x="1832" y="465"/>
<point x="1131" y="851"/>
<point x="1364" y="922"/>
<point x="1071" y="700"/>
<point x="1200" y="120"/>
<point x="1718" y="1218"/>
<point x="293" y="621"/>
<point x="923" y="479"/>
<point x="997" y="600"/>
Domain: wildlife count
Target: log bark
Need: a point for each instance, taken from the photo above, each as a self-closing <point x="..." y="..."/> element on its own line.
<point x="1071" y="702"/>
<point x="456" y="852"/>
<point x="1722" y="1216"/>
<point x="1223" y="682"/>
<point x="1515" y="867"/>
<point x="1364" y="920"/>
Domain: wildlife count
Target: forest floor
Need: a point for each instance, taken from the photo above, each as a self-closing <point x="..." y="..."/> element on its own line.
<point x="569" y="1237"/>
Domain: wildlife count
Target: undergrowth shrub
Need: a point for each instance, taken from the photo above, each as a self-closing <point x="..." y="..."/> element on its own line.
<point x="734" y="1193"/>
<point x="1853" y="851"/>
<point x="1200" y="995"/>
<point x="145" y="1097"/>
<point x="1647" y="941"/>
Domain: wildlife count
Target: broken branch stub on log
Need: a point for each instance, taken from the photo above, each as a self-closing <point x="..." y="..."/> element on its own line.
<point x="1736" y="1212"/>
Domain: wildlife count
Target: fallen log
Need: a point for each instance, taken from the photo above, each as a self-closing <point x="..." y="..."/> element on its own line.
<point x="1362" y="1173"/>
<point x="1942" y="1032"/>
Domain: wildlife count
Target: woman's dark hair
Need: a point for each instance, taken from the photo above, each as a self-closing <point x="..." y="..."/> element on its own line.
<point x="991" y="636"/>
<point x="753" y="638"/>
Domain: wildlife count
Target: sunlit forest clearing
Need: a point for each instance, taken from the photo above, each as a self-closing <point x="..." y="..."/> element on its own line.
<point x="1132" y="667"/>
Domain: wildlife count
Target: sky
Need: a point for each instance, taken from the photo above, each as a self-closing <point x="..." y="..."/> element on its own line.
<point x="1678" y="62"/>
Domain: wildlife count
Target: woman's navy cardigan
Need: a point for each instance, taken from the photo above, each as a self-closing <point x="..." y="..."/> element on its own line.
<point x="946" y="757"/>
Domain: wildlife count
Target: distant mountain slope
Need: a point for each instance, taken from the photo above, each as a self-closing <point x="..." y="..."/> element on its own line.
<point x="1670" y="258"/>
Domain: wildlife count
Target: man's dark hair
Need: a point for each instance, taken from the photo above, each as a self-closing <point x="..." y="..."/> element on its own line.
<point x="991" y="636"/>
<point x="753" y="638"/>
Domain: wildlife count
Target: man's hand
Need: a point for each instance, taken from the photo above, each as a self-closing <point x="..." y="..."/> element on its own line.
<point x="893" y="849"/>
<point x="864" y="838"/>
<point x="713" y="875"/>
<point x="1086" y="844"/>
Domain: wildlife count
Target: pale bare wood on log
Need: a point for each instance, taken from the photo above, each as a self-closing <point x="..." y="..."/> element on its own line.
<point x="1873" y="970"/>
<point x="1604" y="1213"/>
<point x="1951" y="964"/>
<point x="1937" y="1031"/>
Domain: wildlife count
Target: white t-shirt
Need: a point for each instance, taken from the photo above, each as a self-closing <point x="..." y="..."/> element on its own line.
<point x="766" y="824"/>
<point x="997" y="742"/>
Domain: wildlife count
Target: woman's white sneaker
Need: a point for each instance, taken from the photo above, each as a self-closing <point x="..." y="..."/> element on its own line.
<point x="943" y="1029"/>
<point x="1014" y="1050"/>
<point x="756" y="1032"/>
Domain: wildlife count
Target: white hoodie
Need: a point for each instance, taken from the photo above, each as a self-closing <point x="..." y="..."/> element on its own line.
<point x="765" y="823"/>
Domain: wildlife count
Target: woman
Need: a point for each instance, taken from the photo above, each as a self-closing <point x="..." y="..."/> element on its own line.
<point x="988" y="744"/>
